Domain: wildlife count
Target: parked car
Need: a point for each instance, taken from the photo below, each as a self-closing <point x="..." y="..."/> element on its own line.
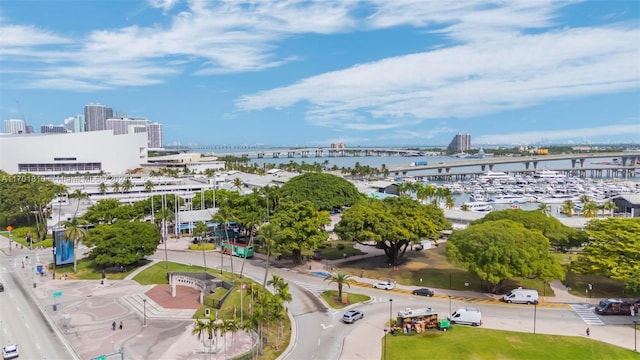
<point x="352" y="316"/>
<point x="467" y="316"/>
<point x="10" y="351"/>
<point x="383" y="285"/>
<point x="521" y="296"/>
<point x="423" y="292"/>
<point x="615" y="307"/>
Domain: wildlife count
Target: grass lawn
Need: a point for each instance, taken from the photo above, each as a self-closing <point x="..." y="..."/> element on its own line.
<point x="465" y="343"/>
<point x="88" y="271"/>
<point x="331" y="297"/>
<point x="332" y="252"/>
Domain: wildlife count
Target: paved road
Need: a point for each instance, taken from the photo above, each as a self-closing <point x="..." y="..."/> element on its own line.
<point x="319" y="334"/>
<point x="22" y="322"/>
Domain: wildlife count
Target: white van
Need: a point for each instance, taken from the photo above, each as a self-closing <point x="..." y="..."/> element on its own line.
<point x="469" y="316"/>
<point x="521" y="296"/>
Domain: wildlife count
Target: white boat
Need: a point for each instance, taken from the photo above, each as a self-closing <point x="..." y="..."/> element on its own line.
<point x="497" y="176"/>
<point x="509" y="199"/>
<point x="558" y="198"/>
<point x="478" y="206"/>
<point x="548" y="175"/>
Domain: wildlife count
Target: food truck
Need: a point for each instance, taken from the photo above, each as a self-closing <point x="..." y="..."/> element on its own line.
<point x="419" y="320"/>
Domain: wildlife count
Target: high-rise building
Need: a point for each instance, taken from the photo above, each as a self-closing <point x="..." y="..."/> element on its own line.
<point x="52" y="129"/>
<point x="95" y="117"/>
<point x="460" y="142"/>
<point x="134" y="126"/>
<point x="15" y="126"/>
<point x="75" y="123"/>
<point x="154" y="133"/>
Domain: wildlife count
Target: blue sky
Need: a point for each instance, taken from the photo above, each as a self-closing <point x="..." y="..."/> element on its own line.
<point x="298" y="73"/>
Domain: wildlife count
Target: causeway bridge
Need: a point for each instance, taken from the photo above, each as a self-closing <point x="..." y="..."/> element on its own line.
<point x="625" y="168"/>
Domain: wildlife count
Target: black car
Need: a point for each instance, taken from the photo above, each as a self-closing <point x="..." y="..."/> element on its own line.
<point x="423" y="292"/>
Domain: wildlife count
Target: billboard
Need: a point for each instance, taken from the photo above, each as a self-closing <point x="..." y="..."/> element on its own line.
<point x="63" y="248"/>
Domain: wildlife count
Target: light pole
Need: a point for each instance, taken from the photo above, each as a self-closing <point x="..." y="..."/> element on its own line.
<point x="53" y="251"/>
<point x="450" y="305"/>
<point x="390" y="312"/>
<point x="535" y="309"/>
<point x="144" y="307"/>
<point x="384" y="350"/>
<point x="635" y="331"/>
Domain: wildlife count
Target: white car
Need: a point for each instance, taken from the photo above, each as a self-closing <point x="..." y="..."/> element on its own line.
<point x="383" y="285"/>
<point x="10" y="351"/>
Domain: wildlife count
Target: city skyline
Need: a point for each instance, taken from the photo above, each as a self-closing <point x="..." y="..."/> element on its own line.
<point x="315" y="73"/>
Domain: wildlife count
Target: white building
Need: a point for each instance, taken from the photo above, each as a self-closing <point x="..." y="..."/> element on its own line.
<point x="93" y="152"/>
<point x="15" y="126"/>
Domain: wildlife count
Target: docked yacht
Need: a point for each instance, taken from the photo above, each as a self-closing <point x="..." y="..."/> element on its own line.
<point x="497" y="176"/>
<point x="548" y="175"/>
<point x="510" y="199"/>
<point x="478" y="206"/>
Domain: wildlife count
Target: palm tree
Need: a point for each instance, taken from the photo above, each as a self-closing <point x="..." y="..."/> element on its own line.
<point x="340" y="279"/>
<point x="567" y="208"/>
<point x="225" y="216"/>
<point x="79" y="195"/>
<point x="232" y="325"/>
<point x="609" y="206"/>
<point x="268" y="235"/>
<point x="148" y="186"/>
<point x="76" y="232"/>
<point x="127" y="185"/>
<point x="465" y="207"/>
<point x="199" y="328"/>
<point x="201" y="230"/>
<point x="251" y="222"/>
<point x="237" y="183"/>
<point x="116" y="186"/>
<point x="102" y="188"/>
<point x="545" y="209"/>
<point x="590" y="209"/>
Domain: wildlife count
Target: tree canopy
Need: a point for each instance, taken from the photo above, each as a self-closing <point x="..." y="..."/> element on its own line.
<point x="325" y="191"/>
<point x="24" y="197"/>
<point x="503" y="249"/>
<point x="393" y="224"/>
<point x="560" y="235"/>
<point x="613" y="250"/>
<point x="300" y="227"/>
<point x="122" y="243"/>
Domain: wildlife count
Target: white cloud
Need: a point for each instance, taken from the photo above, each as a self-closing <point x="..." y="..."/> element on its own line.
<point x="466" y="80"/>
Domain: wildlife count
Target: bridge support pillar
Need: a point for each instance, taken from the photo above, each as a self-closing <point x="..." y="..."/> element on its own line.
<point x="581" y="163"/>
<point x="535" y="165"/>
<point x="573" y="163"/>
<point x="482" y="167"/>
<point x="439" y="170"/>
<point x="526" y="165"/>
<point x="491" y="167"/>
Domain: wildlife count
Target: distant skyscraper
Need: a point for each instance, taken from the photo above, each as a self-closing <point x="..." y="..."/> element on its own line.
<point x="134" y="126"/>
<point x="52" y="129"/>
<point x="15" y="126"/>
<point x="460" y="142"/>
<point x="75" y="123"/>
<point x="154" y="132"/>
<point x="95" y="117"/>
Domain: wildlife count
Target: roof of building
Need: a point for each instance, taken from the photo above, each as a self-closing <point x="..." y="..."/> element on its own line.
<point x="631" y="198"/>
<point x="194" y="216"/>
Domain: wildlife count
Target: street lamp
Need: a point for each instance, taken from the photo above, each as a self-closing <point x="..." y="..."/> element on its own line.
<point x="390" y="312"/>
<point x="384" y="350"/>
<point x="535" y="309"/>
<point x="53" y="251"/>
<point x="635" y="330"/>
<point x="144" y="307"/>
<point x="450" y="305"/>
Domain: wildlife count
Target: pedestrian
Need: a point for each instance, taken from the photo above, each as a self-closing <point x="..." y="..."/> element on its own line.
<point x="120" y="325"/>
<point x="588" y="331"/>
<point x="113" y="326"/>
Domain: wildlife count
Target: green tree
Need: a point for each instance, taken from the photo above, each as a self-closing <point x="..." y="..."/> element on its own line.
<point x="609" y="206"/>
<point x="567" y="208"/>
<point x="590" y="209"/>
<point x="102" y="188"/>
<point x="268" y="236"/>
<point x="499" y="250"/>
<point x="545" y="209"/>
<point x="122" y="243"/>
<point x="79" y="195"/>
<point x="393" y="224"/>
<point x="116" y="186"/>
<point x="324" y="191"/>
<point x="201" y="229"/>
<point x="127" y="185"/>
<point x="340" y="279"/>
<point x="613" y="250"/>
<point x="301" y="227"/>
<point x="75" y="230"/>
<point x="225" y="216"/>
<point x="148" y="186"/>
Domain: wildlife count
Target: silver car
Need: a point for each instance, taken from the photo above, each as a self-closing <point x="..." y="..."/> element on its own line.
<point x="352" y="316"/>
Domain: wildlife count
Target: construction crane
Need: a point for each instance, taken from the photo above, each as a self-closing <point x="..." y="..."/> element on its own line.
<point x="26" y="127"/>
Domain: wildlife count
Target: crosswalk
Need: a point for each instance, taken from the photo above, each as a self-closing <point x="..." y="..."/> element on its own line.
<point x="586" y="313"/>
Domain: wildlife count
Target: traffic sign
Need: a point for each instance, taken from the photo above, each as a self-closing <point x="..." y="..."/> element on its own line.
<point x="9" y="228"/>
<point x="57" y="294"/>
